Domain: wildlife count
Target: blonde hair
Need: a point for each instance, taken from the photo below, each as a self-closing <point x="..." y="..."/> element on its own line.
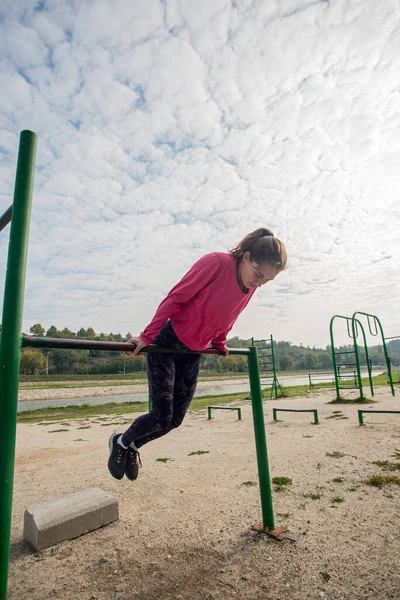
<point x="264" y="248"/>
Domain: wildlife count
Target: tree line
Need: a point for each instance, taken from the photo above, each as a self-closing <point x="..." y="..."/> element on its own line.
<point x="288" y="356"/>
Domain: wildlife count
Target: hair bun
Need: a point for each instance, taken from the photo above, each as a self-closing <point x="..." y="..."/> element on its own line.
<point x="266" y="232"/>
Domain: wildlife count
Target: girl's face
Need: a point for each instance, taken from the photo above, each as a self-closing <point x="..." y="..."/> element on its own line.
<point x="253" y="275"/>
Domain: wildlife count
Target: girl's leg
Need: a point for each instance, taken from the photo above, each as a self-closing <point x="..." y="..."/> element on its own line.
<point x="161" y="377"/>
<point x="186" y="373"/>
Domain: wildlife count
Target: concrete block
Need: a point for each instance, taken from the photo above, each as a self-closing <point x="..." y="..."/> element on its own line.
<point x="69" y="517"/>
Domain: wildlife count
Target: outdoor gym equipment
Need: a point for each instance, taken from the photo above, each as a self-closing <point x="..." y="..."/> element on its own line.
<point x="10" y="353"/>
<point x="352" y="330"/>
<point x="312" y="410"/>
<point x="387" y="412"/>
<point x="239" y="411"/>
<point x="266" y="362"/>
<point x="373" y="320"/>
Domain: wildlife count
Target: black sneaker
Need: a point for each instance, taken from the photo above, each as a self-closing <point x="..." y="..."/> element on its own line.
<point x="117" y="458"/>
<point x="132" y="464"/>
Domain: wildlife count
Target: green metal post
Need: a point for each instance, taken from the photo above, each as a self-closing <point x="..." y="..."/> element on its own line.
<point x="261" y="440"/>
<point x="316" y="422"/>
<point x="358" y="367"/>
<point x="10" y="344"/>
<point x="334" y="357"/>
<point x="209" y="412"/>
<point x="360" y="417"/>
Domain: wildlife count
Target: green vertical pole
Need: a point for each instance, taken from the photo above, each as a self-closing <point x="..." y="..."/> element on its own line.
<point x="355" y="334"/>
<point x="10" y="344"/>
<point x="261" y="440"/>
<point x="335" y="369"/>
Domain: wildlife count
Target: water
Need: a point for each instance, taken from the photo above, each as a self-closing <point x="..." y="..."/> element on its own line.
<point x="285" y="380"/>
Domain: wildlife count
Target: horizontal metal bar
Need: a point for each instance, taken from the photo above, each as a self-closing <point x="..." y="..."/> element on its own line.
<point x="346" y="352"/>
<point x="67" y="344"/>
<point x="394" y="337"/>
<point x="5" y="218"/>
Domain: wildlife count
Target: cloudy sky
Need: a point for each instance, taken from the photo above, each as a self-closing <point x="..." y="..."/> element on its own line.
<point x="171" y="128"/>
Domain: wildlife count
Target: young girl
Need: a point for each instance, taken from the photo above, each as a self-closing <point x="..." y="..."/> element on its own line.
<point x="198" y="312"/>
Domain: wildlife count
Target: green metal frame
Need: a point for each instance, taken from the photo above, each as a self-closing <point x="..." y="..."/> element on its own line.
<point x="352" y="331"/>
<point x="255" y="392"/>
<point x="311" y="410"/>
<point x="263" y="359"/>
<point x="387" y="412"/>
<point x="210" y="408"/>
<point x="10" y="344"/>
<point x="376" y="322"/>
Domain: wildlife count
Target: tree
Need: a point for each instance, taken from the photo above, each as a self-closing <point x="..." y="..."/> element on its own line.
<point x="90" y="333"/>
<point x="310" y="361"/>
<point x="38" y="330"/>
<point x="82" y="333"/>
<point x="31" y="362"/>
<point x="67" y="333"/>
<point x="53" y="332"/>
<point x="286" y="362"/>
<point x="62" y="360"/>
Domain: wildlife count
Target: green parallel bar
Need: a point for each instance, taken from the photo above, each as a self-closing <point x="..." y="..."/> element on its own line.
<point x="5" y="218"/>
<point x="380" y="412"/>
<point x="10" y="345"/>
<point x="311" y="410"/>
<point x="239" y="412"/>
<point x="261" y="440"/>
<point x="75" y="344"/>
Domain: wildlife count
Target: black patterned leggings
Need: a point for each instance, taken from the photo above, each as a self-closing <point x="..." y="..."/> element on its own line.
<point x="172" y="383"/>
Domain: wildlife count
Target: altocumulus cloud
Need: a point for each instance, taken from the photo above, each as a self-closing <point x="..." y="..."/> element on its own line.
<point x="169" y="129"/>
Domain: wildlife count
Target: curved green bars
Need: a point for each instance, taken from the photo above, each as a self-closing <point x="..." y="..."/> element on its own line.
<point x="352" y="332"/>
<point x="377" y="324"/>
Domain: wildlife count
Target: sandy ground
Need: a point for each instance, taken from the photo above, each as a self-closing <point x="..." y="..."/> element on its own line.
<point x="26" y="394"/>
<point x="185" y="527"/>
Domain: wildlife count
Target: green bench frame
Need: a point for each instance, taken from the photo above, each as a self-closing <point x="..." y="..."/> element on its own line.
<point x="315" y="411"/>
<point x="239" y="410"/>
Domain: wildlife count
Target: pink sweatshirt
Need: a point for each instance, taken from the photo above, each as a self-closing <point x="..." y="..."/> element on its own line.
<point x="204" y="305"/>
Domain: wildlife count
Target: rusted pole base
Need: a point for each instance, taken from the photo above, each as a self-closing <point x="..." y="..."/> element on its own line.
<point x="278" y="533"/>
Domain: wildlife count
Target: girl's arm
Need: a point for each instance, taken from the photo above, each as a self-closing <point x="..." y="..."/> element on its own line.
<point x="220" y="342"/>
<point x="198" y="277"/>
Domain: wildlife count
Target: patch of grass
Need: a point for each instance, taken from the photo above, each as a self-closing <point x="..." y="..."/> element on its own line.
<point x="79" y="440"/>
<point x="353" y="488"/>
<point x="249" y="483"/>
<point x="281" y="481"/>
<point x="381" y="481"/>
<point x="341" y="400"/>
<point x="164" y="460"/>
<point x="387" y="465"/>
<point x="84" y="427"/>
<point x="84" y="411"/>
<point x="308" y="436"/>
<point x="325" y="576"/>
<point x="58" y="430"/>
<point x="198" y="452"/>
<point x="396" y="454"/>
<point x="312" y="496"/>
<point x="338" y="480"/>
<point x="335" y="454"/>
<point x="337" y="500"/>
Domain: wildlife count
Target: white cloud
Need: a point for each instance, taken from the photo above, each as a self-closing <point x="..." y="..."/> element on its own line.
<point x="171" y="129"/>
